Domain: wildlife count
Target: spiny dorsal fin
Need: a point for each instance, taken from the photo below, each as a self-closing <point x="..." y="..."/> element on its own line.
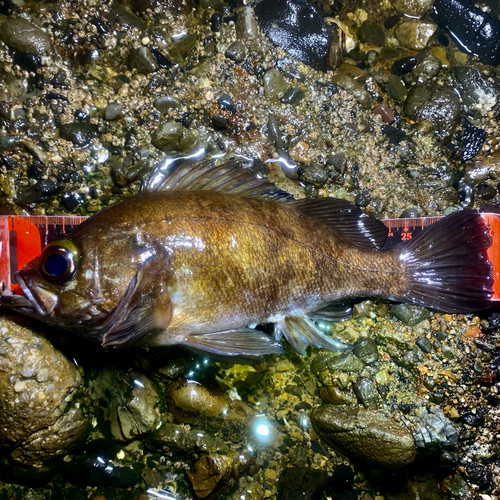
<point x="228" y="178"/>
<point x="347" y="220"/>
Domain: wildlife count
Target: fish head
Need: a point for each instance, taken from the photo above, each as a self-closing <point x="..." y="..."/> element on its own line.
<point x="76" y="283"/>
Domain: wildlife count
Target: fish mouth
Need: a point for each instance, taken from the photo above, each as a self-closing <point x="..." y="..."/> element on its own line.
<point x="37" y="301"/>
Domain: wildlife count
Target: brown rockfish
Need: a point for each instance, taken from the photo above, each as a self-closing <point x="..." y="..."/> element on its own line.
<point x="207" y="251"/>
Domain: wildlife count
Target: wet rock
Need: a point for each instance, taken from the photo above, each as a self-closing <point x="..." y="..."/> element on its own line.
<point x="246" y="25"/>
<point x="23" y="36"/>
<point x="385" y="112"/>
<point x="395" y="135"/>
<point x="274" y="85"/>
<point x="483" y="168"/>
<point x="371" y="33"/>
<point x="79" y="133"/>
<point x="366" y="350"/>
<point x="345" y="362"/>
<point x="428" y="67"/>
<point x="410" y="213"/>
<point x="355" y="89"/>
<point x="142" y="60"/>
<point x="182" y="46"/>
<point x="172" y="136"/>
<point x="432" y="428"/>
<point x="113" y="111"/>
<point x="336" y="396"/>
<point x="163" y="62"/>
<point x="413" y="8"/>
<point x="216" y="473"/>
<point x="191" y="402"/>
<point x="237" y="52"/>
<point x="71" y="201"/>
<point x="301" y="483"/>
<point x="226" y="103"/>
<point x="396" y="89"/>
<point x="465" y="193"/>
<point x="408" y="314"/>
<point x="127" y="20"/>
<point x="165" y="103"/>
<point x="315" y="174"/>
<point x="39" y="192"/>
<point x="219" y="122"/>
<point x="473" y="418"/>
<point x="100" y="466"/>
<point x="128" y="401"/>
<point x="365" y="436"/>
<point x="472" y="141"/>
<point x="480" y="95"/>
<point x="41" y="415"/>
<point x="169" y="436"/>
<point x="439" y="105"/>
<point x="415" y="34"/>
<point x="424" y="344"/>
<point x="28" y="61"/>
<point x="215" y="22"/>
<point x="479" y="475"/>
<point x="298" y="28"/>
<point x="366" y="392"/>
<point x="293" y="96"/>
<point x="404" y="65"/>
<point x="472" y="29"/>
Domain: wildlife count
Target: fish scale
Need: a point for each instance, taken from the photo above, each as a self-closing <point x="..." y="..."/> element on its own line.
<point x="23" y="237"/>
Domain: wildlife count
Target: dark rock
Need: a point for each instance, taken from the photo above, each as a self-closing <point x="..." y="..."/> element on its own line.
<point x="404" y="65"/>
<point x="410" y="213"/>
<point x="396" y="89"/>
<point x="365" y="436"/>
<point x="480" y="476"/>
<point x="23" y="36"/>
<point x="172" y="136"/>
<point x="486" y="192"/>
<point x="8" y="142"/>
<point x="38" y="192"/>
<point x="71" y="201"/>
<point x="439" y="105"/>
<point x="226" y="103"/>
<point x="215" y="22"/>
<point x="465" y="193"/>
<point x="246" y="25"/>
<point x="80" y="133"/>
<point x="142" y="60"/>
<point x="27" y="61"/>
<point x="480" y="95"/>
<point x="408" y="314"/>
<point x="298" y="28"/>
<point x="472" y="29"/>
<point x="90" y="57"/>
<point x="371" y="33"/>
<point x="366" y="392"/>
<point x="161" y="59"/>
<point x="394" y="134"/>
<point x="366" y="350"/>
<point x="474" y="419"/>
<point x="314" y="174"/>
<point x="219" y="122"/>
<point x="301" y="483"/>
<point x="101" y="27"/>
<point x="55" y="96"/>
<point x="237" y="52"/>
<point x="125" y="19"/>
<point x="293" y="96"/>
<point x="472" y="141"/>
<point x="424" y="344"/>
<point x="342" y="479"/>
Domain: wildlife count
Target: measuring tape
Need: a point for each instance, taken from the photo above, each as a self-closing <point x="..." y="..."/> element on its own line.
<point x="22" y="238"/>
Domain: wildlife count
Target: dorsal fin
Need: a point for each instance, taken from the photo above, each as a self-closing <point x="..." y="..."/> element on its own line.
<point x="228" y="178"/>
<point x="347" y="220"/>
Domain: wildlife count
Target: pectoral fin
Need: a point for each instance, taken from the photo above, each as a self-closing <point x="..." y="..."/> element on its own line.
<point x="242" y="343"/>
<point x="301" y="332"/>
<point x="145" y="308"/>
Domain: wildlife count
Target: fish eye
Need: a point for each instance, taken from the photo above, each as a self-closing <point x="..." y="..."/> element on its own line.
<point x="59" y="261"/>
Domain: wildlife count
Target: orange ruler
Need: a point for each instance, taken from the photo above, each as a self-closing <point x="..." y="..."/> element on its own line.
<point x="23" y="237"/>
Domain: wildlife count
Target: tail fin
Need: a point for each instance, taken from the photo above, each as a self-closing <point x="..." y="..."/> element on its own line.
<point x="449" y="265"/>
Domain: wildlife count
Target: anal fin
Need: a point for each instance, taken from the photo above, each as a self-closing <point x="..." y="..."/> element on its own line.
<point x="243" y="343"/>
<point x="301" y="332"/>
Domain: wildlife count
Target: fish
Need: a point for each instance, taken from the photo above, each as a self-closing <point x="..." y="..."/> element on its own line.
<point x="206" y="251"/>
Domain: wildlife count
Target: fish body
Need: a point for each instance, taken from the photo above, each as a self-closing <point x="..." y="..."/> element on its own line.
<point x="196" y="266"/>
